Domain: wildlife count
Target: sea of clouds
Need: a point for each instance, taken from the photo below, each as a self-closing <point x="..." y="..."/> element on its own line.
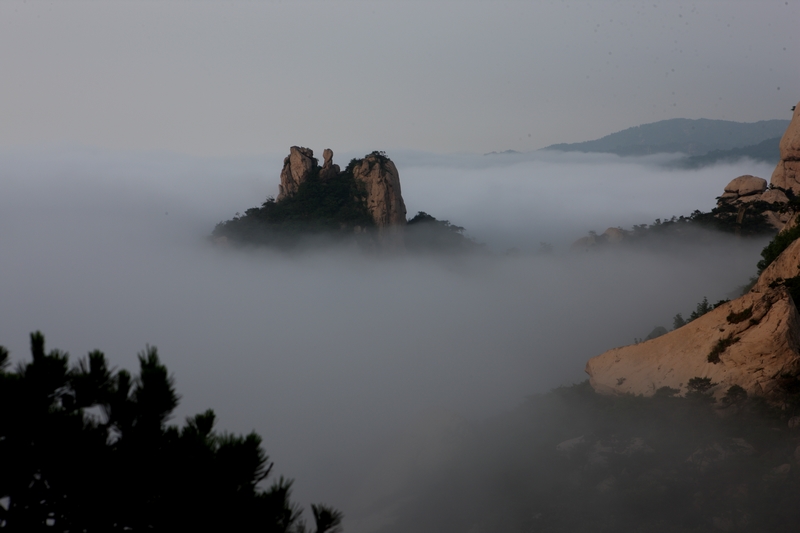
<point x="332" y="354"/>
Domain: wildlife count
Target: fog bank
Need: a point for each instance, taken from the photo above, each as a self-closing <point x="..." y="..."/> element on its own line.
<point x="327" y="354"/>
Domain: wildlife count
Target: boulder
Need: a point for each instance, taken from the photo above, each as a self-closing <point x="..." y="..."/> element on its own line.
<point x="297" y="166"/>
<point x="773" y="196"/>
<point x="746" y="185"/>
<point x="748" y="189"/>
<point x="382" y="182"/>
<point x="787" y="172"/>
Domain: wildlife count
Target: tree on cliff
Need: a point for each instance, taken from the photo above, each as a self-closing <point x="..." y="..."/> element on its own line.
<point x="87" y="448"/>
<point x="425" y="232"/>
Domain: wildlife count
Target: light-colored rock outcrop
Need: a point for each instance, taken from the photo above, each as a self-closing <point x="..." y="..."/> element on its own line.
<point x="297" y="166"/>
<point x="753" y="341"/>
<point x="382" y="182"/>
<point x="761" y="330"/>
<point x="787" y="173"/>
<point x="746" y="186"/>
<point x="747" y="189"/>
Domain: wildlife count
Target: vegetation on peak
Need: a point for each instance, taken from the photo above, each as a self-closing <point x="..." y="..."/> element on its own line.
<point x="746" y="221"/>
<point x="777" y="245"/>
<point x="335" y="207"/>
<point x="425" y="232"/>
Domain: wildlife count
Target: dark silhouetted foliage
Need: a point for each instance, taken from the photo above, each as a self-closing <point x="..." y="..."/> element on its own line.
<point x="86" y="448"/>
<point x="701" y="309"/>
<point x="720" y="346"/>
<point x="778" y="245"/>
<point x="734" y="395"/>
<point x="701" y="385"/>
<point x="425" y="232"/>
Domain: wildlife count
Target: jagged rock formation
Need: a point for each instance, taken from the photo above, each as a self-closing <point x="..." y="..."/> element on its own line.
<point x="384" y="200"/>
<point x="328" y="170"/>
<point x="377" y="172"/>
<point x="753" y="342"/>
<point x="787" y="174"/>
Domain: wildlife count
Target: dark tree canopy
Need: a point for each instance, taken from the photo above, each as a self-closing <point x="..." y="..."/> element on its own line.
<point x="87" y="448"/>
<point x="425" y="232"/>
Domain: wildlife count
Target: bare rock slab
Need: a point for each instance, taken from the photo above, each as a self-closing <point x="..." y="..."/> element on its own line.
<point x="760" y="332"/>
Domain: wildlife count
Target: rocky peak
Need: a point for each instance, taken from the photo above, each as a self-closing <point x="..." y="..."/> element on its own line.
<point x="297" y="166"/>
<point x="745" y="186"/>
<point x="787" y="173"/>
<point x="376" y="171"/>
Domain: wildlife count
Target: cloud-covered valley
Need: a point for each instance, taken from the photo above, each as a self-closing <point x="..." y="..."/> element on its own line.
<point x="330" y="353"/>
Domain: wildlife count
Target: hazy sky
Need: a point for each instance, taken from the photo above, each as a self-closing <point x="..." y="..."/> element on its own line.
<point x="227" y="78"/>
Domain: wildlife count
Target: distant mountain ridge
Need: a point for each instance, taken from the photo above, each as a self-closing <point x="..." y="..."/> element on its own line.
<point x="688" y="136"/>
<point x="767" y="151"/>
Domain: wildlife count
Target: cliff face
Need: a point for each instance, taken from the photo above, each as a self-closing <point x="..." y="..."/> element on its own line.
<point x="753" y="341"/>
<point x="384" y="200"/>
<point x="377" y="172"/>
<point x="787" y="173"/>
<point x="756" y="337"/>
<point x="761" y="348"/>
<point x="297" y="167"/>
